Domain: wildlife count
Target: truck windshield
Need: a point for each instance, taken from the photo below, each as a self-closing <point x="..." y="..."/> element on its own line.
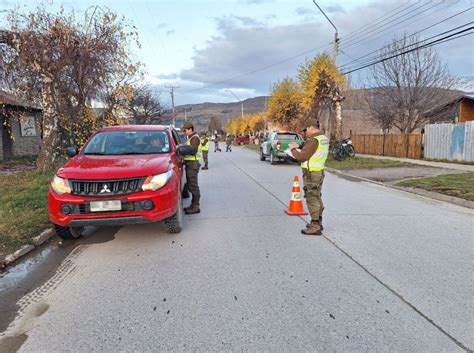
<point x="128" y="142"/>
<point x="287" y="137"/>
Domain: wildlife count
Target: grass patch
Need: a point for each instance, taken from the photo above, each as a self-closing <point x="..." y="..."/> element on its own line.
<point x="353" y="163"/>
<point x="364" y="163"/>
<point x="458" y="185"/>
<point x="23" y="207"/>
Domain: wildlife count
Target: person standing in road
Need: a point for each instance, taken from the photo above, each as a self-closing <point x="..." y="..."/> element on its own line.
<point x="313" y="158"/>
<point x="216" y="143"/>
<point x="205" y="151"/>
<point x="191" y="163"/>
<point x="228" y="142"/>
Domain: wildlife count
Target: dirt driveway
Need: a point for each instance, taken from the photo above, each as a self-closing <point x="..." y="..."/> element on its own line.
<point x="392" y="175"/>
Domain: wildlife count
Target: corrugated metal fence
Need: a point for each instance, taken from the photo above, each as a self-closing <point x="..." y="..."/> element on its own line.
<point x="450" y="141"/>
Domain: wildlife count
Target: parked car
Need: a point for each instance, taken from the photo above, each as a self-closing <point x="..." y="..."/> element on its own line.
<point x="276" y="143"/>
<point x="241" y="140"/>
<point x="122" y="175"/>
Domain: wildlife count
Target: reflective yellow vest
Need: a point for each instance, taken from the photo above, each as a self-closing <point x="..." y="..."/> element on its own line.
<point x="198" y="153"/>
<point x="206" y="146"/>
<point x="318" y="159"/>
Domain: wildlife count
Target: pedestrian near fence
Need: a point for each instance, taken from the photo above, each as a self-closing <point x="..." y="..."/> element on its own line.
<point x="191" y="163"/>
<point x="313" y="158"/>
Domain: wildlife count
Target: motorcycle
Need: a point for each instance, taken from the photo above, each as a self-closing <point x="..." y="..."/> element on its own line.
<point x="342" y="149"/>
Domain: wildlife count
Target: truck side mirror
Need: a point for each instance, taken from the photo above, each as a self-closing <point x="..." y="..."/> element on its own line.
<point x="184" y="150"/>
<point x="71" y="151"/>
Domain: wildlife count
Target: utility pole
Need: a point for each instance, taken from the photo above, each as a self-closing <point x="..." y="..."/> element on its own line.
<point x="338" y="99"/>
<point x="172" y="102"/>
<point x="241" y="102"/>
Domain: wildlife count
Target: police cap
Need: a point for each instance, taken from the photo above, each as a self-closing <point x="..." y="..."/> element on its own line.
<point x="188" y="125"/>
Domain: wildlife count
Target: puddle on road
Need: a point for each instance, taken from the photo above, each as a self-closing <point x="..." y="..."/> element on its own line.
<point x="38" y="267"/>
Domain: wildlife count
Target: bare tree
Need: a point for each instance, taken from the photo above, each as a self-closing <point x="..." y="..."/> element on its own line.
<point x="406" y="87"/>
<point x="145" y="106"/>
<point x="215" y="124"/>
<point x="71" y="61"/>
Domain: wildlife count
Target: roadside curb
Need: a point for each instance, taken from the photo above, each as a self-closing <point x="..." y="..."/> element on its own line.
<point x="420" y="192"/>
<point x="25" y="249"/>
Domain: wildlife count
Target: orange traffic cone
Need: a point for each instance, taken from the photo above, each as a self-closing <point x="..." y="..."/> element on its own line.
<point x="296" y="204"/>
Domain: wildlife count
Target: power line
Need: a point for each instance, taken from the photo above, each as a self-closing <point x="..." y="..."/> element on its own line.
<point x="260" y="69"/>
<point x="426" y="45"/>
<point x="412" y="35"/>
<point x="284" y="60"/>
<point x="413" y="44"/>
<point x="378" y="30"/>
<point x="362" y="29"/>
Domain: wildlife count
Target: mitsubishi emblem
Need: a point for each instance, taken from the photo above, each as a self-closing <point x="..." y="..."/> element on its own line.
<point x="105" y="189"/>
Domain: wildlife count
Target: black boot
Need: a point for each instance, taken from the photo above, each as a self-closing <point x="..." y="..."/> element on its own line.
<point x="194" y="208"/>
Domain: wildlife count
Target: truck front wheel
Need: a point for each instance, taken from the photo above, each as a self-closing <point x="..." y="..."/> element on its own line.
<point x="68" y="233"/>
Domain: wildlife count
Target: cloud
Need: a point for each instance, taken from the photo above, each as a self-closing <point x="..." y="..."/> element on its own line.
<point x="170" y="32"/>
<point x="303" y="11"/>
<point x="226" y="23"/>
<point x="335" y="9"/>
<point x="162" y="25"/>
<point x="257" y="2"/>
<point x="227" y="58"/>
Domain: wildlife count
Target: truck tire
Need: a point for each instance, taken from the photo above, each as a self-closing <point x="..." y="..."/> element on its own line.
<point x="68" y="233"/>
<point x="174" y="224"/>
<point x="262" y="156"/>
<point x="272" y="158"/>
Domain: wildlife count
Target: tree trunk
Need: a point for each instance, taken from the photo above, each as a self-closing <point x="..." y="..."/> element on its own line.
<point x="50" y="144"/>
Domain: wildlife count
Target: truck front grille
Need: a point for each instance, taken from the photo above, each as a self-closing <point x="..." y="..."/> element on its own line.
<point x="106" y="187"/>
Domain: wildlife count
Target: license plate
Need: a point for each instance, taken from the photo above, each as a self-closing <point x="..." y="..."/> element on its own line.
<point x="100" y="206"/>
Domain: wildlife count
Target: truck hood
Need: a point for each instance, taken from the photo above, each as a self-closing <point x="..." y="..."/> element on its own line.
<point x="115" y="167"/>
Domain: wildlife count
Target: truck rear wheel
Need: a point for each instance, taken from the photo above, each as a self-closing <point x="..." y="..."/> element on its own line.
<point x="68" y="233"/>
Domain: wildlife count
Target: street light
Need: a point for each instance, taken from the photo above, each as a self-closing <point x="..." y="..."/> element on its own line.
<point x="334" y="57"/>
<point x="241" y="102"/>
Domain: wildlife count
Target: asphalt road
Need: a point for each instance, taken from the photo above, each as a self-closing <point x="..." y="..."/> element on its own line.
<point x="392" y="273"/>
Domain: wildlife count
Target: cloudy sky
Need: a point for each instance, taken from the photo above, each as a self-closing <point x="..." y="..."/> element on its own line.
<point x="209" y="47"/>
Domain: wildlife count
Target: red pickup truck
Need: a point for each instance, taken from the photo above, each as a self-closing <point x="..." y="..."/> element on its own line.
<point x="241" y="140"/>
<point x="122" y="175"/>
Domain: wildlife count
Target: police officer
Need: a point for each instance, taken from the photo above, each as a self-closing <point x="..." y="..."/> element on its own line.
<point x="191" y="163"/>
<point x="205" y="151"/>
<point x="313" y="158"/>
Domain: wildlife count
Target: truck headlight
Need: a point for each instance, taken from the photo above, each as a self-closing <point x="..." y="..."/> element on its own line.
<point x="60" y="185"/>
<point x="155" y="182"/>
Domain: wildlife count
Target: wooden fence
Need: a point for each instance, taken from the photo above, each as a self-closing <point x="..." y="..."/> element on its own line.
<point x="392" y="145"/>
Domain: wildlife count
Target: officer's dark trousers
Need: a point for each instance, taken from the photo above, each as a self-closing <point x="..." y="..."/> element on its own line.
<point x="313" y="183"/>
<point x="192" y="171"/>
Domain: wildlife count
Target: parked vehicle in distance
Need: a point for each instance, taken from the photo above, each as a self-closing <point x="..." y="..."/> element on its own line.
<point x="276" y="143"/>
<point x="342" y="149"/>
<point x="122" y="175"/>
<point x="243" y="139"/>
